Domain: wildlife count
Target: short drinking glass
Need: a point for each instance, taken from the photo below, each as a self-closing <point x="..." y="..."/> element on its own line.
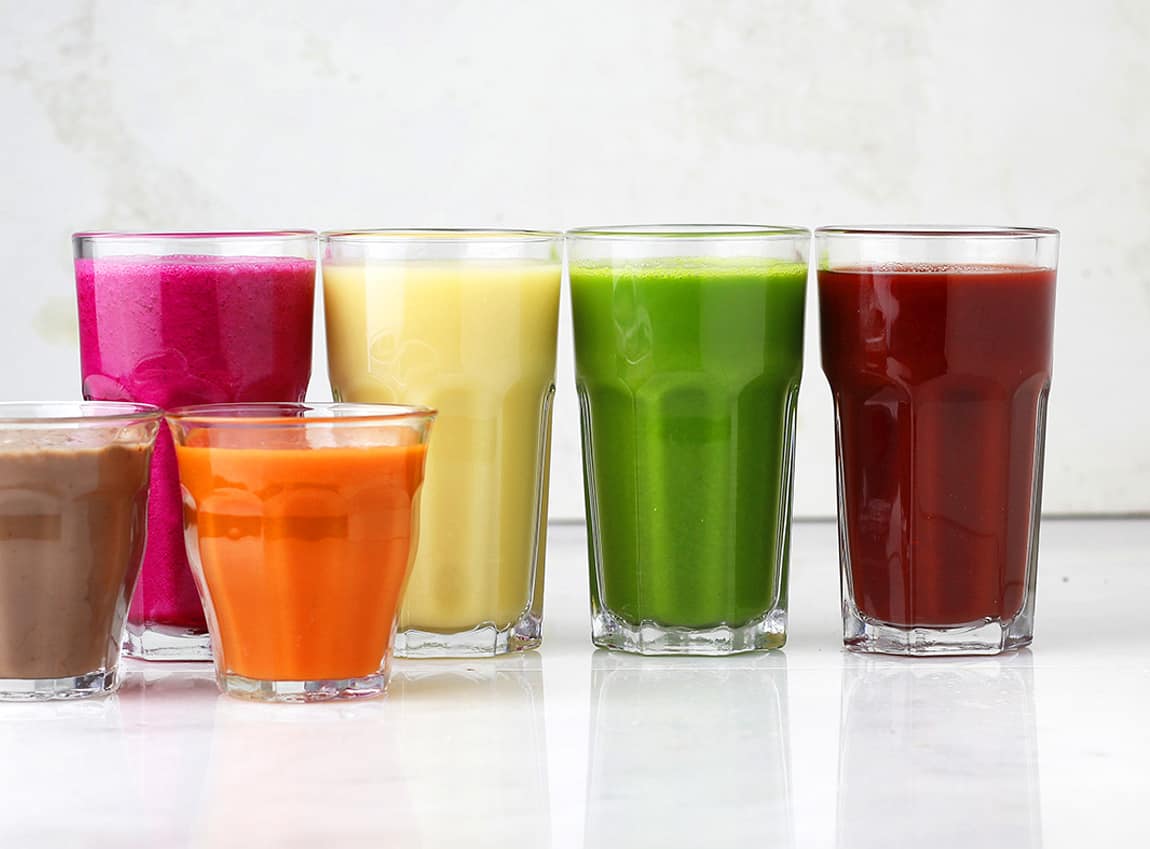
<point x="301" y="525"/>
<point x="73" y="508"/>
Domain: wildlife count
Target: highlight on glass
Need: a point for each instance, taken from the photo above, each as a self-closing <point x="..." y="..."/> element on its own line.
<point x="189" y="318"/>
<point x="464" y="321"/>
<point x="688" y="357"/>
<point x="73" y="508"/>
<point x="301" y="523"/>
<point x="937" y="343"/>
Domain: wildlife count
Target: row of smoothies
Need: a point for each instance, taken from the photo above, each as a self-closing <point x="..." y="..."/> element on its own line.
<point x="195" y="507"/>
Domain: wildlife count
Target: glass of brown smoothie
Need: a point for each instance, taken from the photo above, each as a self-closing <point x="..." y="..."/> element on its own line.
<point x="73" y="511"/>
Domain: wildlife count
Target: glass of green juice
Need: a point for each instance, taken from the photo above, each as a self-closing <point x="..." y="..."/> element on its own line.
<point x="688" y="357"/>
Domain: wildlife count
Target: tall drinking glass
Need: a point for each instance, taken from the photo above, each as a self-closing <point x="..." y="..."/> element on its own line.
<point x="688" y="355"/>
<point x="463" y="321"/>
<point x="73" y="501"/>
<point x="938" y="343"/>
<point x="301" y="520"/>
<point x="189" y="318"/>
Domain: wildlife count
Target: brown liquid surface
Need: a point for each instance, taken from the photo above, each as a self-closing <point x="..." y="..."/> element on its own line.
<point x="71" y="537"/>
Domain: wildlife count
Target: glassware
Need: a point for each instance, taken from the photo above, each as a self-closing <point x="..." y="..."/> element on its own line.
<point x="464" y="321"/>
<point x="301" y="523"/>
<point x="189" y="318"/>
<point x="688" y="356"/>
<point x="73" y="506"/>
<point x="938" y="343"/>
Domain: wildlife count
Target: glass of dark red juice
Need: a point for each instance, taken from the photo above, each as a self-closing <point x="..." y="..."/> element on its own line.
<point x="937" y="343"/>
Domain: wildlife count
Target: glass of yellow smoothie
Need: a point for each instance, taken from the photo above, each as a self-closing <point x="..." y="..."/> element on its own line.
<point x="464" y="321"/>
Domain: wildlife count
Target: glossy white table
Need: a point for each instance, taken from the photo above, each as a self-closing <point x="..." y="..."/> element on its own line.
<point x="570" y="747"/>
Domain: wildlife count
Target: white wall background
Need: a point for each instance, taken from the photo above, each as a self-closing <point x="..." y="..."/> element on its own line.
<point x="157" y="114"/>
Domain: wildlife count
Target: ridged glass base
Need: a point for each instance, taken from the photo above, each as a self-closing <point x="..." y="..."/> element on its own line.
<point x="257" y="690"/>
<point x="166" y="643"/>
<point x="98" y="683"/>
<point x="484" y="640"/>
<point x="767" y="632"/>
<point x="985" y="637"/>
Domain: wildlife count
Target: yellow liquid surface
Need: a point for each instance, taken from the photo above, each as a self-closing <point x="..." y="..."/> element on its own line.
<point x="477" y="342"/>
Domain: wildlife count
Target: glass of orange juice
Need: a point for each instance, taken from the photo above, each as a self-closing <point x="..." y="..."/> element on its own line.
<point x="301" y="523"/>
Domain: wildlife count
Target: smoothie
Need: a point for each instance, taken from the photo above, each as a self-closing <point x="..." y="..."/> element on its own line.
<point x="71" y="540"/>
<point x="303" y="553"/>
<point x="174" y="330"/>
<point x="940" y="378"/>
<point x="688" y="373"/>
<point x="475" y="340"/>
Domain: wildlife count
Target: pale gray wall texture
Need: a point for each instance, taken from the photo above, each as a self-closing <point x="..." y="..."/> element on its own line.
<point x="292" y="113"/>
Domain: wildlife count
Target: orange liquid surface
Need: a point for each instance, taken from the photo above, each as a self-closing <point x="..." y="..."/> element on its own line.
<point x="304" y="553"/>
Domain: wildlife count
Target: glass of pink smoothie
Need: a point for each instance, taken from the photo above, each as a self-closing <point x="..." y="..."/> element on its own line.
<point x="174" y="319"/>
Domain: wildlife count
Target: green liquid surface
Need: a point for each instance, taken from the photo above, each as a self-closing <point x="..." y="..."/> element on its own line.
<point x="688" y="372"/>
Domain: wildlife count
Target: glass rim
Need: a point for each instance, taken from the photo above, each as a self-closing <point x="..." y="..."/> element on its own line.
<point x="936" y="231"/>
<point x="689" y="231"/>
<point x="481" y="235"/>
<point x="204" y="235"/>
<point x="261" y="414"/>
<point x="53" y="413"/>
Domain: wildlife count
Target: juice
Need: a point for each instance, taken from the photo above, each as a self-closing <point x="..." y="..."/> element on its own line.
<point x="940" y="377"/>
<point x="175" y="330"/>
<point x="475" y="340"/>
<point x="71" y="539"/>
<point x="303" y="553"/>
<point x="688" y="372"/>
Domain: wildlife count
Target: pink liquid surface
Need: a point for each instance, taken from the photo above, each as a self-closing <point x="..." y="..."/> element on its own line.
<point x="178" y="330"/>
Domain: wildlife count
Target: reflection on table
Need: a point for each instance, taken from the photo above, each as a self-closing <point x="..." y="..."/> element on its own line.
<point x="287" y="775"/>
<point x="68" y="753"/>
<point x="91" y="767"/>
<point x="466" y="738"/>
<point x="938" y="753"/>
<point x="688" y="752"/>
<point x="160" y="703"/>
<point x="470" y="736"/>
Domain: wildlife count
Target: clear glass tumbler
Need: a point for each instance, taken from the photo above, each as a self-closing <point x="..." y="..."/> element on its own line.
<point x="938" y="346"/>
<point x="301" y="524"/>
<point x="189" y="318"/>
<point x="688" y="356"/>
<point x="73" y="509"/>
<point x="464" y="321"/>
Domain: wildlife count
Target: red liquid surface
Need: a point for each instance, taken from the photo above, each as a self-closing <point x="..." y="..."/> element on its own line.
<point x="940" y="376"/>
